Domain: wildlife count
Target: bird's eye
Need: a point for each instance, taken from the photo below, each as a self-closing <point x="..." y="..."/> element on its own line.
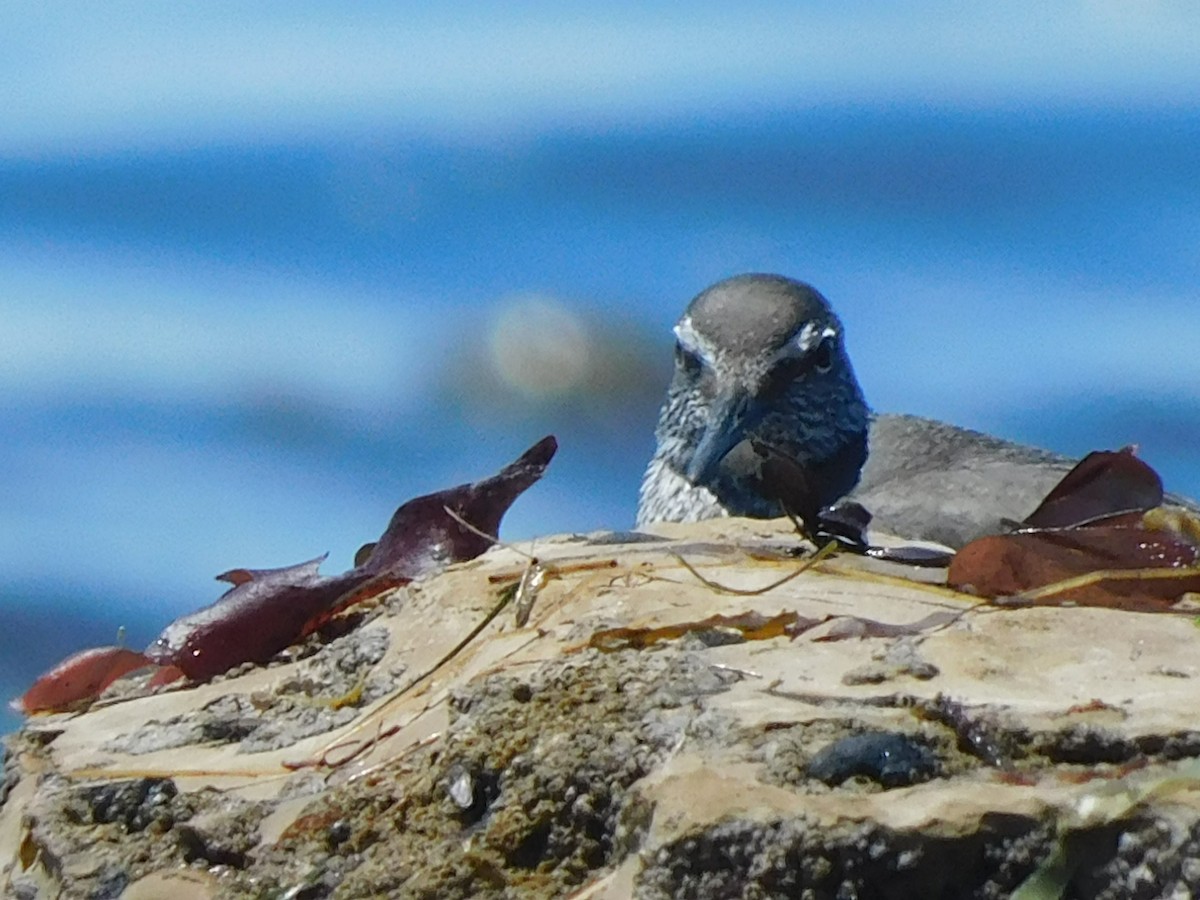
<point x="792" y="368"/>
<point x="823" y="356"/>
<point x="687" y="360"/>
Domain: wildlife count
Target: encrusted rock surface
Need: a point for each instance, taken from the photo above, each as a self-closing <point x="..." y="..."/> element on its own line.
<point x="1047" y="752"/>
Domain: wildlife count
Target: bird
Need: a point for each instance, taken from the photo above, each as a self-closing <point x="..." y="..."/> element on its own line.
<point x="761" y="365"/>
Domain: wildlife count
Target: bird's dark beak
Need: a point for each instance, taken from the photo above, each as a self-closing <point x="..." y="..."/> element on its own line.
<point x="730" y="419"/>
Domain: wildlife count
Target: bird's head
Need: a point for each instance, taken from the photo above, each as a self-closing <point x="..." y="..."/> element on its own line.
<point x="758" y="357"/>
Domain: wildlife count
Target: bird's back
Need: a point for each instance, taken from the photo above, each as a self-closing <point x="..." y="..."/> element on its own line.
<point x="930" y="480"/>
<point x="933" y="481"/>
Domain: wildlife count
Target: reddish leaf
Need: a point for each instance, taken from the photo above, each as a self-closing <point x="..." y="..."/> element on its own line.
<point x="1005" y="565"/>
<point x="265" y="611"/>
<point x="269" y="609"/>
<point x="1104" y="483"/>
<point x="422" y="535"/>
<point x="1093" y="522"/>
<point x="80" y="677"/>
<point x="363" y="553"/>
<point x="285" y="574"/>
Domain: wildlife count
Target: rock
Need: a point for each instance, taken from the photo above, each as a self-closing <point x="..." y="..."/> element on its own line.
<point x="183" y="884"/>
<point x="1047" y="750"/>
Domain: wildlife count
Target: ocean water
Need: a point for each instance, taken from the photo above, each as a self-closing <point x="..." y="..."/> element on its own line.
<point x="248" y="349"/>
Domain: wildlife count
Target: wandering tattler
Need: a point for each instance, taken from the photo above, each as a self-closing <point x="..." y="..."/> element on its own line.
<point x="761" y="359"/>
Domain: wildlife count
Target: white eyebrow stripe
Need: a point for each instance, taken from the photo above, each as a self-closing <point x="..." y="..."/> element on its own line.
<point x="809" y="337"/>
<point x="687" y="336"/>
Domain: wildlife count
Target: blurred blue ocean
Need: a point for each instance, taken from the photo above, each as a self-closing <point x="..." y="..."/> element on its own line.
<point x="265" y="275"/>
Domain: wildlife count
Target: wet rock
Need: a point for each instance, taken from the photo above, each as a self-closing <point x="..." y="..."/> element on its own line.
<point x="174" y="884"/>
<point x="133" y="804"/>
<point x="11" y="774"/>
<point x="891" y="758"/>
<point x="1088" y="745"/>
<point x="797" y="858"/>
<point x="223" y="835"/>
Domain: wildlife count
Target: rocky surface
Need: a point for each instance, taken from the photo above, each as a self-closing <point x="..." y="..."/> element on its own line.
<point x="624" y="743"/>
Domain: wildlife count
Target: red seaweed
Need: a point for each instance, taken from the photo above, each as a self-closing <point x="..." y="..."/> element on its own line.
<point x="1097" y="520"/>
<point x="1103" y="484"/>
<point x="252" y="621"/>
<point x="266" y="610"/>
<point x="422" y="536"/>
<point x="80" y="677"/>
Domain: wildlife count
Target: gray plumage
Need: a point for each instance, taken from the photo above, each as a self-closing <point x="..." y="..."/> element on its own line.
<point x="763" y="357"/>
<point x="926" y="479"/>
